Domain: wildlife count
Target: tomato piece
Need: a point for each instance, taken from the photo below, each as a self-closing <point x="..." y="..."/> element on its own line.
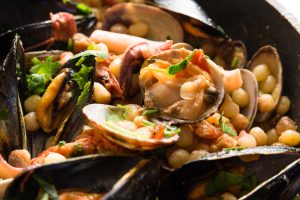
<point x="199" y="59"/>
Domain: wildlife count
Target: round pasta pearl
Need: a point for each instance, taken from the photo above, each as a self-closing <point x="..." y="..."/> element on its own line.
<point x="228" y="196"/>
<point x="229" y="108"/>
<point x="290" y="137"/>
<point x="246" y="140"/>
<point x="285" y="123"/>
<point x="178" y="158"/>
<point x="31" y="123"/>
<point x="101" y="94"/>
<point x="186" y="136"/>
<point x="272" y="137"/>
<point x="31" y="103"/>
<point x="283" y="105"/>
<point x="54" y="158"/>
<point x="138" y="29"/>
<point x="119" y="28"/>
<point x="268" y="85"/>
<point x="266" y="103"/>
<point x="261" y="72"/>
<point x="259" y="135"/>
<point x="240" y="97"/>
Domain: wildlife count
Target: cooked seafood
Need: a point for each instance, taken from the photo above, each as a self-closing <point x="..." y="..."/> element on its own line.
<point x="113" y="177"/>
<point x="128" y="90"/>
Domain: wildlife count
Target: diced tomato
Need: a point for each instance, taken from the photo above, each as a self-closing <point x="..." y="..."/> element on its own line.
<point x="199" y="59"/>
<point x="182" y="74"/>
<point x="159" y="133"/>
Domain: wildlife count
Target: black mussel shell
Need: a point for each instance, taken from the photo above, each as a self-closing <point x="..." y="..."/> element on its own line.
<point x="12" y="128"/>
<point x="36" y="33"/>
<point x="118" y="177"/>
<point x="271" y="160"/>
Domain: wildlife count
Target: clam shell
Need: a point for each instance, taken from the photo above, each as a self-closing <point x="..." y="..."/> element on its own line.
<point x="216" y="73"/>
<point x="161" y="25"/>
<point x="268" y="55"/>
<point x="251" y="87"/>
<point x="96" y="114"/>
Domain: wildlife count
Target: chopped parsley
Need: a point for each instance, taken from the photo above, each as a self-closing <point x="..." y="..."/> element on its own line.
<point x="85" y="93"/>
<point x="70" y="44"/>
<point x="77" y="150"/>
<point x="40" y="74"/>
<point x="47" y="188"/>
<point x="61" y="143"/>
<point x="174" y="69"/>
<point x="234" y="62"/>
<point x="149" y="111"/>
<point x="148" y="123"/>
<point x="169" y="131"/>
<point x="82" y="76"/>
<point x="225" y="128"/>
<point x="95" y="53"/>
<point x="83" y="9"/>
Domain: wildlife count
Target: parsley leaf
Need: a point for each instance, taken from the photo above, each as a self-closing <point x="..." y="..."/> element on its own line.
<point x="174" y="69"/>
<point x="149" y="111"/>
<point x="83" y="9"/>
<point x="85" y="93"/>
<point x="47" y="188"/>
<point x="95" y="53"/>
<point x="40" y="74"/>
<point x="82" y="76"/>
<point x="225" y="128"/>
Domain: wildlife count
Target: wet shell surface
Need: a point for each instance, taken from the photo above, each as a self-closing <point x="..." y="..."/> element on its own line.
<point x="268" y="55"/>
<point x="97" y="115"/>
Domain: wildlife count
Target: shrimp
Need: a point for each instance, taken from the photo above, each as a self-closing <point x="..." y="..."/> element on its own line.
<point x="118" y="43"/>
<point x="8" y="171"/>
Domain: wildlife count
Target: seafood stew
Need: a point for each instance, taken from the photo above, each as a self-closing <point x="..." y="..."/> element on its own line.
<point x="121" y="91"/>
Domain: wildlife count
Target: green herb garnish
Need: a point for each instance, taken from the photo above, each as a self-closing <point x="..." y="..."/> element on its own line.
<point x="77" y="150"/>
<point x="207" y="57"/>
<point x="47" y="188"/>
<point x="80" y="61"/>
<point x="174" y="69"/>
<point x="83" y="9"/>
<point x="95" y="53"/>
<point x="169" y="131"/>
<point x="70" y="44"/>
<point x="40" y="74"/>
<point x="234" y="62"/>
<point x="82" y="76"/>
<point x="84" y="93"/>
<point x="4" y="114"/>
<point x="225" y="128"/>
<point x="148" y="123"/>
<point x="149" y="111"/>
<point x="221" y="182"/>
<point x="61" y="143"/>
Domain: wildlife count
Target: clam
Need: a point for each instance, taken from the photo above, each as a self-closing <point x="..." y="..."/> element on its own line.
<point x="266" y="59"/>
<point x="251" y="87"/>
<point x="192" y="94"/>
<point x="110" y="177"/>
<point x="118" y="125"/>
<point x="12" y="129"/>
<point x="209" y="176"/>
<point x="161" y="25"/>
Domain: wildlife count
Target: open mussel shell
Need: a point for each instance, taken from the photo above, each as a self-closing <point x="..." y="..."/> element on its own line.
<point x="161" y="25"/>
<point x="233" y="53"/>
<point x="251" y="87"/>
<point x="268" y="55"/>
<point x="36" y="33"/>
<point x="284" y="185"/>
<point x="269" y="161"/>
<point x="12" y="127"/>
<point x="193" y="17"/>
<point x="97" y="115"/>
<point x="215" y="95"/>
<point x="116" y="177"/>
